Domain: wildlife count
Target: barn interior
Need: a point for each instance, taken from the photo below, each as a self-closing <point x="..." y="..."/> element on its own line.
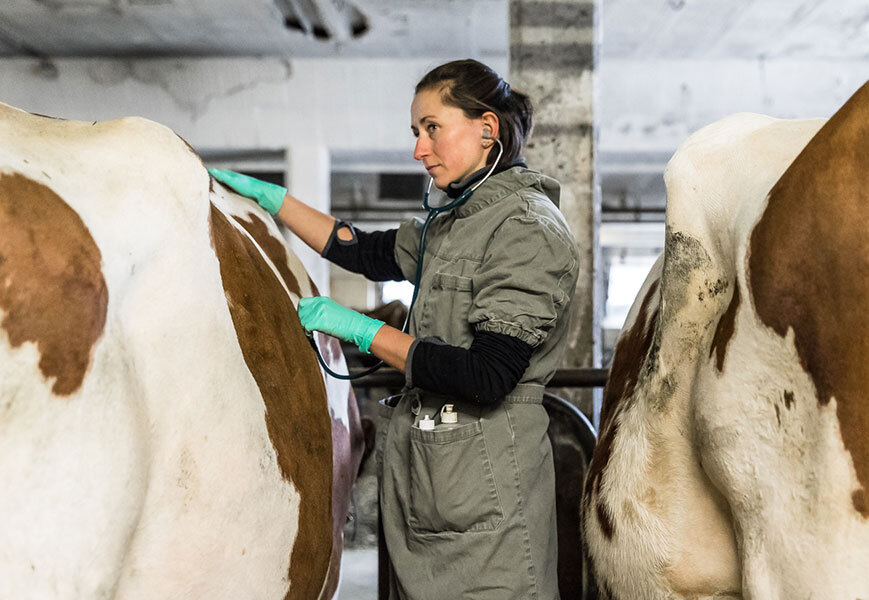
<point x="314" y="95"/>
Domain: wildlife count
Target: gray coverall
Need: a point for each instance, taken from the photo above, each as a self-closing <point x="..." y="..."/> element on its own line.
<point x="468" y="510"/>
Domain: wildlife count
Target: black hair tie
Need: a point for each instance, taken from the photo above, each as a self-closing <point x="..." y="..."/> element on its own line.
<point x="507" y="91"/>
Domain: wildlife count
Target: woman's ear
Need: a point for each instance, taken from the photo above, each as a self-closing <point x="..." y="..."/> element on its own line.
<point x="490" y="128"/>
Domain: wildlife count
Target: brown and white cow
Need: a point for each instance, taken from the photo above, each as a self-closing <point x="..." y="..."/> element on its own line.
<point x="165" y="429"/>
<point x="733" y="460"/>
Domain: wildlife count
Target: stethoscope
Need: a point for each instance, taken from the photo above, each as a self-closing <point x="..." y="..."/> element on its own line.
<point x="433" y="212"/>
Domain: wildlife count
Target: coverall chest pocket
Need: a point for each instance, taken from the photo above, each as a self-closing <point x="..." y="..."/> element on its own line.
<point x="448" y="305"/>
<point x="452" y="486"/>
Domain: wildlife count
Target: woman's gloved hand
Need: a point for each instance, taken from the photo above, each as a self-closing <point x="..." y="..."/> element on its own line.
<point x="324" y="314"/>
<point x="268" y="195"/>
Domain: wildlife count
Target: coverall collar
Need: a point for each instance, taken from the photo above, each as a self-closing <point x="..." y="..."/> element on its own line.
<point x="505" y="183"/>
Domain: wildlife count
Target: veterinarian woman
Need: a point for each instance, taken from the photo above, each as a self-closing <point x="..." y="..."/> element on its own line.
<point x="467" y="495"/>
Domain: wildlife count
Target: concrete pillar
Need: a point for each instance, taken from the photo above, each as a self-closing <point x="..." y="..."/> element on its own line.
<point x="552" y="58"/>
<point x="307" y="178"/>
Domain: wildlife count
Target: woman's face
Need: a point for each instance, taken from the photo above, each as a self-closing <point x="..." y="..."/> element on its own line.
<point x="448" y="143"/>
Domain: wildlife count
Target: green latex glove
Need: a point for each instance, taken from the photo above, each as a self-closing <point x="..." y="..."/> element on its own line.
<point x="324" y="314"/>
<point x="268" y="195"/>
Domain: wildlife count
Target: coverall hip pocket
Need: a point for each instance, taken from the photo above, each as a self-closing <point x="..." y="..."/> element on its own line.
<point x="452" y="486"/>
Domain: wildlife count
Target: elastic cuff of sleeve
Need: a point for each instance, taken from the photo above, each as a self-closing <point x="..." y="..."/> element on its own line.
<point x="333" y="237"/>
<point x="532" y="338"/>
<point x="372" y="326"/>
<point x="408" y="365"/>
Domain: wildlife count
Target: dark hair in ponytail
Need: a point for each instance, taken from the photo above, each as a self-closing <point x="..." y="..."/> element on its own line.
<point x="475" y="88"/>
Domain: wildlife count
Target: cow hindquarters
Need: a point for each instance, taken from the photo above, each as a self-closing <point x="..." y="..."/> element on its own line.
<point x="655" y="525"/>
<point x="778" y="458"/>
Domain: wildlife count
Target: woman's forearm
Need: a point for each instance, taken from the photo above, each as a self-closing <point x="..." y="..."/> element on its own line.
<point x="309" y="224"/>
<point x="391" y="346"/>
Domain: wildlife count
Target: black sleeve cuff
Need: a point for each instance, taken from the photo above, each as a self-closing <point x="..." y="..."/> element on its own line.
<point x="408" y="365"/>
<point x="369" y="254"/>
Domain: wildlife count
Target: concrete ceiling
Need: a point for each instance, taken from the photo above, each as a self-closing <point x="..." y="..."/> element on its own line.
<point x="638" y="29"/>
<point x="291" y="28"/>
<point x="735" y="29"/>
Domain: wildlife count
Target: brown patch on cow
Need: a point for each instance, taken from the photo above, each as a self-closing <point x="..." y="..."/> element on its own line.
<point x="859" y="500"/>
<point x="808" y="257"/>
<point x="777" y="414"/>
<point x="274" y="249"/>
<point x="278" y="356"/>
<point x="789" y="399"/>
<point x="724" y="330"/>
<point x="631" y="352"/>
<point x="52" y="288"/>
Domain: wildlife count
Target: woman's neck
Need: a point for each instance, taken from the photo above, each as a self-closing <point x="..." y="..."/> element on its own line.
<point x="455" y="189"/>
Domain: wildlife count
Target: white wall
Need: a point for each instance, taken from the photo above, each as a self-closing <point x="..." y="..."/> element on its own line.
<point x="652" y="106"/>
<point x="233" y="103"/>
<point x="308" y="107"/>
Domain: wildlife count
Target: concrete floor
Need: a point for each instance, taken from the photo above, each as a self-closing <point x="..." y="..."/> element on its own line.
<point x="359" y="574"/>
